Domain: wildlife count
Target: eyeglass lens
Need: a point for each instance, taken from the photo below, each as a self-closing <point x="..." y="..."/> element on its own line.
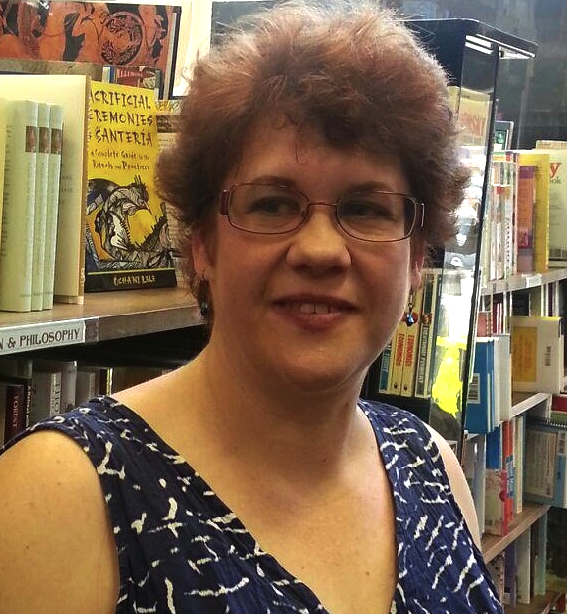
<point x="370" y="214"/>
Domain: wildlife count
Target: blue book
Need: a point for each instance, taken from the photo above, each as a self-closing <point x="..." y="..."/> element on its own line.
<point x="479" y="414"/>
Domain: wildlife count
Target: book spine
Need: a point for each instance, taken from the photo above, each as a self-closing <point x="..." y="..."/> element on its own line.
<point x="19" y="201"/>
<point x="411" y="347"/>
<point x="525" y="218"/>
<point x="3" y="127"/>
<point x="40" y="208"/>
<point x="15" y="410"/>
<point x="397" y="358"/>
<point x="53" y="184"/>
<point x="422" y="385"/>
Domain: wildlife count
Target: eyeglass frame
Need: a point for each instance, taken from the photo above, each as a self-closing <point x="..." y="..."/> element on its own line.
<point x="226" y="199"/>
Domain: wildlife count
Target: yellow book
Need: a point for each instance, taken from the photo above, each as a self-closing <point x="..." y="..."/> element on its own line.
<point x="411" y="347"/>
<point x="557" y="197"/>
<point x="473" y="112"/>
<point x="541" y="160"/>
<point x="537" y="353"/>
<point x="127" y="236"/>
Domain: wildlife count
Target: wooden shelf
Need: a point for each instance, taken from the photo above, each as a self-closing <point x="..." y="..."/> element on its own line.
<point x="103" y="316"/>
<point x="492" y="545"/>
<point x="540" y="604"/>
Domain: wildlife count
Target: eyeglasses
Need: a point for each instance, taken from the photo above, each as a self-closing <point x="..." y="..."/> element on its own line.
<point x="370" y="215"/>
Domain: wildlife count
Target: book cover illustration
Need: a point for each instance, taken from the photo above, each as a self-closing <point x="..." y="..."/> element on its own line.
<point x="127" y="236"/>
<point x="119" y="34"/>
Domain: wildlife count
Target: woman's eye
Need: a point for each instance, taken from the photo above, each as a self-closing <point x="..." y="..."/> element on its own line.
<point x="274" y="206"/>
<point x="365" y="209"/>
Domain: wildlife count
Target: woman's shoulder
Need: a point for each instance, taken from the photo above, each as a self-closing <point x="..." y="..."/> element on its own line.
<point x="54" y="528"/>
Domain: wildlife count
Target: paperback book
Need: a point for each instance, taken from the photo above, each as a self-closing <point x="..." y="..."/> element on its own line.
<point x="127" y="239"/>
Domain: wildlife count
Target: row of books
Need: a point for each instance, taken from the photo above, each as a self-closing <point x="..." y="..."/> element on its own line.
<point x="526" y="217"/>
<point x="110" y="230"/>
<point x="406" y="365"/>
<point x="528" y="359"/>
<point x="519" y="571"/>
<point x="34" y="389"/>
<point x="30" y="170"/>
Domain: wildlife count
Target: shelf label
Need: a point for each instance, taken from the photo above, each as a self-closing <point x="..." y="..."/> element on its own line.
<point x="14" y="339"/>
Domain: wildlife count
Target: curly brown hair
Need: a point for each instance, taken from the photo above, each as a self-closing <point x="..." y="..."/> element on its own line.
<point x="354" y="73"/>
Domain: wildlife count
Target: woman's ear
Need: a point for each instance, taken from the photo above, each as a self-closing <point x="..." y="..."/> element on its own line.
<point x="417" y="259"/>
<point x="200" y="252"/>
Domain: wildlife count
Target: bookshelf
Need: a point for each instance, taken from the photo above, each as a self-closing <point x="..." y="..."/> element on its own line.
<point x="492" y="545"/>
<point x="104" y="316"/>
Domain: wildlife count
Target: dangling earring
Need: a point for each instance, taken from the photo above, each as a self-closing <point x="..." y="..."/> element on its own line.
<point x="409" y="315"/>
<point x="203" y="296"/>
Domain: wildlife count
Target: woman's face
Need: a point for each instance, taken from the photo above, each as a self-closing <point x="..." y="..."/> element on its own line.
<point x="312" y="308"/>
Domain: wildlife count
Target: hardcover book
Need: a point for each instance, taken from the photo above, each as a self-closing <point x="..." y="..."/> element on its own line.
<point x="537" y="353"/>
<point x="127" y="235"/>
<point x="119" y="34"/>
<point x="71" y="92"/>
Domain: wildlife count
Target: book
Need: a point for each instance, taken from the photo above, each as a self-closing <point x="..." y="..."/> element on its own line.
<point x="537" y="353"/>
<point x="67" y="372"/>
<point x="523" y="567"/>
<point x="473" y="110"/>
<point x="397" y="358"/>
<point x="72" y="93"/>
<point x="411" y="346"/>
<point x="503" y="379"/>
<point x="40" y="207"/>
<point x="432" y="284"/>
<point x="473" y="461"/>
<point x="115" y="33"/>
<point x="510" y="572"/>
<point x="149" y="77"/>
<point x="525" y="218"/>
<point x="495" y="521"/>
<point x="87" y="384"/>
<point x="545" y="462"/>
<point x="3" y="126"/>
<point x="167" y="119"/>
<point x="56" y="113"/>
<point x="12" y="409"/>
<point x="557" y="199"/>
<point x="540" y="159"/>
<point x="479" y="413"/>
<point x="46" y="395"/>
<point x="126" y="226"/>
<point x="19" y="370"/>
<point x="16" y="247"/>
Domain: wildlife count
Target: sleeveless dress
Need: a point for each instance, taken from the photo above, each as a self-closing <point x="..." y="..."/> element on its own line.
<point x="182" y="551"/>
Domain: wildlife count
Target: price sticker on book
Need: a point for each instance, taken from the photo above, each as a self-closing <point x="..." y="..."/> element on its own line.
<point x="45" y="335"/>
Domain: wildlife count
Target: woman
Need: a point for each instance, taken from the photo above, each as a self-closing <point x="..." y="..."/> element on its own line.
<point x="253" y="479"/>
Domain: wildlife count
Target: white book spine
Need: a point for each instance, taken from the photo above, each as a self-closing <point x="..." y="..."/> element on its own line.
<point x="19" y="201"/>
<point x="53" y="183"/>
<point x="40" y="210"/>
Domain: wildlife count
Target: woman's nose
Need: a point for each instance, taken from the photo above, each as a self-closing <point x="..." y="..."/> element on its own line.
<point x="320" y="243"/>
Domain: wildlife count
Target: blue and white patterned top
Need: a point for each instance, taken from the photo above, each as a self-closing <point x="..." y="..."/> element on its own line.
<point x="182" y="551"/>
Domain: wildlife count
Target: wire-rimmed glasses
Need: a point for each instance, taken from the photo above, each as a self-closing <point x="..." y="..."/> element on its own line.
<point x="366" y="214"/>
